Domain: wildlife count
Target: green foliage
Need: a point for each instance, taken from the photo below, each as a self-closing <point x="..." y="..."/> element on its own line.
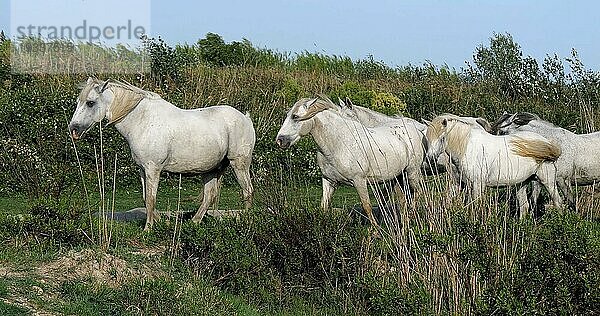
<point x="274" y="257"/>
<point x="558" y="273"/>
<point x="45" y="220"/>
<point x="388" y="104"/>
<point x="291" y="91"/>
<point x="12" y="310"/>
<point x="355" y="92"/>
<point x="388" y="298"/>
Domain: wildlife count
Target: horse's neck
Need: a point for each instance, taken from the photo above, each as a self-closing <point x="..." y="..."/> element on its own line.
<point x="133" y="120"/>
<point x="549" y="130"/>
<point x="458" y="139"/>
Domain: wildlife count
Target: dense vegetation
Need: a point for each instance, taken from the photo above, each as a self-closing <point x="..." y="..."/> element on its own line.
<point x="443" y="256"/>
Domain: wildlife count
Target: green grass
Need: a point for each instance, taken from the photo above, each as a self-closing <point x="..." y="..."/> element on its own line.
<point x="12" y="310"/>
<point x="129" y="198"/>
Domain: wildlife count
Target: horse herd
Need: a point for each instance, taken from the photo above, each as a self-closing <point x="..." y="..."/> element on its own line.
<point x="357" y="146"/>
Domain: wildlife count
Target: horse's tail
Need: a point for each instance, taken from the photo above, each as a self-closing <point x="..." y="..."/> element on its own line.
<point x="538" y="149"/>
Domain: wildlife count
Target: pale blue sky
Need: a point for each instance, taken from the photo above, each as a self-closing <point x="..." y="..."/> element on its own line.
<point x="397" y="32"/>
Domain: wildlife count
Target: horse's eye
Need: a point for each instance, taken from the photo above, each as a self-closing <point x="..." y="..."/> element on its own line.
<point x="90" y="103"/>
<point x="295" y="117"/>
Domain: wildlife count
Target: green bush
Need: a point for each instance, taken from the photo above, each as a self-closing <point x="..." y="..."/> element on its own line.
<point x="388" y="104"/>
<point x="272" y="258"/>
<point x="355" y="92"/>
<point x="558" y="273"/>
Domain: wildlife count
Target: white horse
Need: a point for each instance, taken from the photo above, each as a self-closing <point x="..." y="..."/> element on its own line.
<point x="350" y="152"/>
<point x="162" y="136"/>
<point x="486" y="160"/>
<point x="577" y="165"/>
<point x="415" y="130"/>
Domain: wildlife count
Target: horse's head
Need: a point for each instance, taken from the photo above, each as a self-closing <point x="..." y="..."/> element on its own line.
<point x="449" y="133"/>
<point x="92" y="105"/>
<point x="437" y="137"/>
<point x="298" y="121"/>
<point x="509" y="123"/>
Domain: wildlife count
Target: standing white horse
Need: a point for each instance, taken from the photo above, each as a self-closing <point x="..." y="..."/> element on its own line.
<point x="350" y="152"/>
<point x="578" y="163"/>
<point x="486" y="160"/>
<point x="162" y="136"/>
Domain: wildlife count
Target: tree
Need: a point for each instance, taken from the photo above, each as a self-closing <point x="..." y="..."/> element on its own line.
<point x="501" y="66"/>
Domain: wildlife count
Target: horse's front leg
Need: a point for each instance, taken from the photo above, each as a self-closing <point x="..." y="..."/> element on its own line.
<point x="151" y="189"/>
<point x="522" y="201"/>
<point x="565" y="187"/>
<point x="328" y="188"/>
<point x="363" y="194"/>
<point x="143" y="180"/>
<point x="476" y="190"/>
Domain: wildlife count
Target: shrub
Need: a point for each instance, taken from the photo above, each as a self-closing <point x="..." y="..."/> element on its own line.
<point x="355" y="92"/>
<point x="558" y="273"/>
<point x="388" y="103"/>
<point x="273" y="258"/>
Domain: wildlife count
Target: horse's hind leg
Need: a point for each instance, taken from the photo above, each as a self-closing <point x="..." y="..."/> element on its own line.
<point x="241" y="168"/>
<point x="565" y="187"/>
<point x="522" y="202"/>
<point x="212" y="185"/>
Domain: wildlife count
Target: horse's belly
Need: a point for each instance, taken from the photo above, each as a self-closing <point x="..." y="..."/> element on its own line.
<point x="509" y="176"/>
<point x="193" y="164"/>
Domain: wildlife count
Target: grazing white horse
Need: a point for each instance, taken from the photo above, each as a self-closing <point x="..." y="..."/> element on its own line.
<point x="350" y="152"/>
<point x="486" y="160"/>
<point x="162" y="136"/>
<point x="578" y="163"/>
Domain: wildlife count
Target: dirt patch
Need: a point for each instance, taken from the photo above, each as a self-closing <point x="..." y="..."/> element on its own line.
<point x="101" y="267"/>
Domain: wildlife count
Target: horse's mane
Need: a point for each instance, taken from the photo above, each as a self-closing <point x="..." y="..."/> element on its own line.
<point x="126" y="97"/>
<point x="321" y="103"/>
<point x="458" y="132"/>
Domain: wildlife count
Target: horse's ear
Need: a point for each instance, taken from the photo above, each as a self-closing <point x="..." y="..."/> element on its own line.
<point x="485" y="124"/>
<point x="349" y="102"/>
<point x="342" y="104"/>
<point x="309" y="103"/>
<point x="104" y="86"/>
<point x="445" y="122"/>
<point x="524" y="118"/>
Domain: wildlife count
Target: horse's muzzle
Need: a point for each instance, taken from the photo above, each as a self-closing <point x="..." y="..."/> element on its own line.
<point x="283" y="141"/>
<point x="75" y="130"/>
